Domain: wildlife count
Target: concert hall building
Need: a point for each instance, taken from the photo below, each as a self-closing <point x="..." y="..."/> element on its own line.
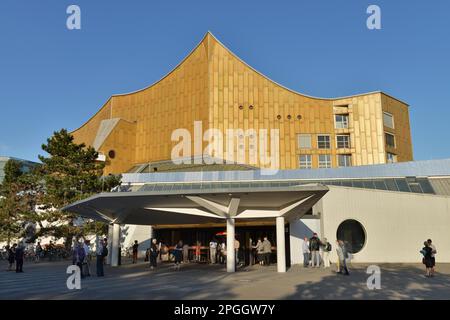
<point x="344" y="166"/>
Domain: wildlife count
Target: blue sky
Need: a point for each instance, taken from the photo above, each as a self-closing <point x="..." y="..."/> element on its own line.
<point x="52" y="78"/>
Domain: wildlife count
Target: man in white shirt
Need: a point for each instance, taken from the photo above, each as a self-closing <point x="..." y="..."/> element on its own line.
<point x="213" y="250"/>
<point x="305" y="249"/>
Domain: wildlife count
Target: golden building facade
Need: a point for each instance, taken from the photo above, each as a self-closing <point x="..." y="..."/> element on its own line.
<point x="214" y="86"/>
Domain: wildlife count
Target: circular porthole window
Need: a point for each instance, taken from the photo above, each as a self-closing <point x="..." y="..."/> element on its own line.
<point x="278" y="117"/>
<point x="353" y="234"/>
<point x="111" y="154"/>
<point x="289" y="117"/>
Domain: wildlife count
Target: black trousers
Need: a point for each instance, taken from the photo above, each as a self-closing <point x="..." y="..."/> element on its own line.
<point x="19" y="265"/>
<point x="153" y="260"/>
<point x="266" y="259"/>
<point x="100" y="266"/>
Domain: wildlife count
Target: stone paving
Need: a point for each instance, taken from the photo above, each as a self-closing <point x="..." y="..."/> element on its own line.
<point x="47" y="280"/>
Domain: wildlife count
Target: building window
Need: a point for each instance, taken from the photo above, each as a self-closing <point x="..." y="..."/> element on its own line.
<point x="390" y="140"/>
<point x="344" y="160"/>
<point x="391" y="158"/>
<point x="304" y="141"/>
<point x="341" y="121"/>
<point x="388" y="120"/>
<point x="324" y="161"/>
<point x="343" y="141"/>
<point x="352" y="233"/>
<point x="305" y="161"/>
<point x="323" y="142"/>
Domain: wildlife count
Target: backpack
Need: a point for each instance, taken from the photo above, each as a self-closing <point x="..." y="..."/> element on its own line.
<point x="105" y="251"/>
<point x="328" y="247"/>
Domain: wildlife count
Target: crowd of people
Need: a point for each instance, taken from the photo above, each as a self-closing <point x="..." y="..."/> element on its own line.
<point x="316" y="253"/>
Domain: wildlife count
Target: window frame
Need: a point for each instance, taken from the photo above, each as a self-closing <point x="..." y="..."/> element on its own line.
<point x="349" y="144"/>
<point x="392" y="117"/>
<point x="299" y="135"/>
<point x="308" y="161"/>
<point x="345" y="155"/>
<point x="386" y="140"/>
<point x="327" y="162"/>
<point x="329" y="141"/>
<point x="341" y="115"/>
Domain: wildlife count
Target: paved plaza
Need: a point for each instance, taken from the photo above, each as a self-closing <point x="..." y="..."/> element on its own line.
<point x="47" y="280"/>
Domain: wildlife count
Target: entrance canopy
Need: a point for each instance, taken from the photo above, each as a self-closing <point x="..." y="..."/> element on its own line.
<point x="215" y="205"/>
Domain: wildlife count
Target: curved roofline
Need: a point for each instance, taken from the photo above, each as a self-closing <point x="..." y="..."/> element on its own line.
<point x="247" y="65"/>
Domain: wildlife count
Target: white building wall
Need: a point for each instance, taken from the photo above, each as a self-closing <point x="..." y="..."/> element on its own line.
<point x="396" y="223"/>
<point x="130" y="233"/>
<point x="299" y="229"/>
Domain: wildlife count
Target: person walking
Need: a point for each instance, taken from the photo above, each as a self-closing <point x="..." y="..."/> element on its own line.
<point x="306" y="252"/>
<point x="314" y="248"/>
<point x="11" y="256"/>
<point x="427" y="260"/>
<point x="197" y="251"/>
<point x="267" y="251"/>
<point x="78" y="257"/>
<point x="213" y="251"/>
<point x="178" y="253"/>
<point x="326" y="249"/>
<point x="18" y="255"/>
<point x="154" y="252"/>
<point x="135" y="251"/>
<point x="101" y="252"/>
<point x="223" y="252"/>
<point x="433" y="255"/>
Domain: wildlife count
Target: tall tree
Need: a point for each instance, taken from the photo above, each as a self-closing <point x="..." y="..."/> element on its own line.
<point x="70" y="172"/>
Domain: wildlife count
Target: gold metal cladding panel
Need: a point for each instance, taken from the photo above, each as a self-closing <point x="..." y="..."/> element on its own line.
<point x="211" y="84"/>
<point x="174" y="102"/>
<point x="403" y="144"/>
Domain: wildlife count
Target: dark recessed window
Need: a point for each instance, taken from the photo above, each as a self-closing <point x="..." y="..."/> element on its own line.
<point x="299" y="117"/>
<point x="289" y="117"/>
<point x="155" y="169"/>
<point x="111" y="154"/>
<point x="278" y="117"/>
<point x="353" y="234"/>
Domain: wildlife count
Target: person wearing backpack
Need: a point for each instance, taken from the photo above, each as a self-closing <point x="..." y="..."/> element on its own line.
<point x="326" y="249"/>
<point x="314" y="248"/>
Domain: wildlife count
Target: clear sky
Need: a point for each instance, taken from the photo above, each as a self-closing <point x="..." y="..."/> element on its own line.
<point x="53" y="78"/>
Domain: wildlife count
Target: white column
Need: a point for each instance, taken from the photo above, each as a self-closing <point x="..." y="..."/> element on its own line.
<point x="115" y="245"/>
<point x="109" y="246"/>
<point x="281" y="246"/>
<point x="231" y="259"/>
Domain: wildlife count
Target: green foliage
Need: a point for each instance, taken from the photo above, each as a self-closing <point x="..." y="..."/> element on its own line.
<point x="69" y="172"/>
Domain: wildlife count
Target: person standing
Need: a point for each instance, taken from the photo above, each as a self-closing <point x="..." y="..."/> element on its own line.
<point x="433" y="255"/>
<point x="223" y="253"/>
<point x="326" y="249"/>
<point x="11" y="256"/>
<point x="19" y="253"/>
<point x="154" y="252"/>
<point x="135" y="251"/>
<point x="342" y="257"/>
<point x="87" y="258"/>
<point x="427" y="260"/>
<point x="101" y="254"/>
<point x="306" y="252"/>
<point x="213" y="251"/>
<point x="267" y="251"/>
<point x="178" y="252"/>
<point x="314" y="248"/>
<point x="197" y="251"/>
<point x="259" y="252"/>
<point x="38" y="252"/>
<point x="237" y="245"/>
<point x="185" y="253"/>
